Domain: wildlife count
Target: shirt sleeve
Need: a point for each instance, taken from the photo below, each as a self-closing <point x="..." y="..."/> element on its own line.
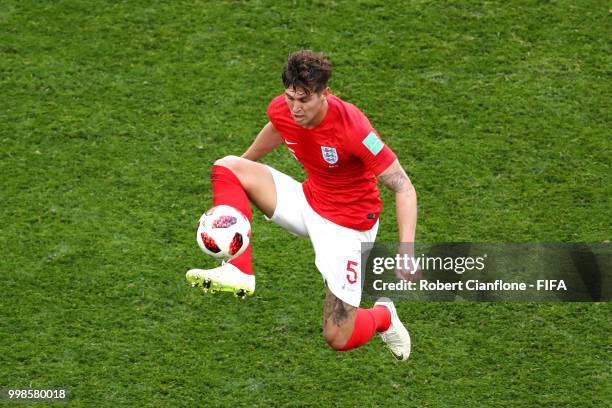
<point x="270" y="112"/>
<point x="367" y="144"/>
<point x="275" y="113"/>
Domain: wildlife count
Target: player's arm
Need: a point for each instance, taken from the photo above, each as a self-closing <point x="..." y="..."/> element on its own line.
<point x="266" y="141"/>
<point x="395" y="178"/>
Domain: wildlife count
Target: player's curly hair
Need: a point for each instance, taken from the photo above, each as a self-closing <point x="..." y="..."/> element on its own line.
<point x="308" y="70"/>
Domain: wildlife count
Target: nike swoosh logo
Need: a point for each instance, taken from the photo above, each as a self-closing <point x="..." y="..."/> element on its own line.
<point x="398" y="356"/>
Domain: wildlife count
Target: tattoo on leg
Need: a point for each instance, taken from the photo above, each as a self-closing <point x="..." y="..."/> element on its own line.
<point x="329" y="307"/>
<point x="340" y="313"/>
<point x="336" y="310"/>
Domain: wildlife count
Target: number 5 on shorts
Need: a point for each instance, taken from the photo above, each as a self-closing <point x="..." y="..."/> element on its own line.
<point x="352" y="276"/>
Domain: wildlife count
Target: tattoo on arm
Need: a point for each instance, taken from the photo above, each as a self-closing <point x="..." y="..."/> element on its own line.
<point x="395" y="181"/>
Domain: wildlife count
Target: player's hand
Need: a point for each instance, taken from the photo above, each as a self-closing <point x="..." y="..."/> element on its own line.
<point x="408" y="270"/>
<point x="409" y="274"/>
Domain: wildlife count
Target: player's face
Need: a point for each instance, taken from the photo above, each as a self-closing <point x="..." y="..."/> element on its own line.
<point x="307" y="109"/>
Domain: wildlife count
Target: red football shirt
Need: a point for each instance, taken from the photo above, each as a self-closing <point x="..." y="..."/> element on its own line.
<point x="342" y="157"/>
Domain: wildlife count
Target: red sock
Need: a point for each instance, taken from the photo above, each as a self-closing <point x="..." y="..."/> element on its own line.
<point x="367" y="323"/>
<point x="228" y="190"/>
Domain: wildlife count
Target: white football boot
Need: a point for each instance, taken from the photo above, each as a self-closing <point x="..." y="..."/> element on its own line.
<point x="396" y="337"/>
<point x="225" y="278"/>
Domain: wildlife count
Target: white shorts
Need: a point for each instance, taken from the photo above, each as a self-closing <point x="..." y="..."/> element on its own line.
<point x="337" y="248"/>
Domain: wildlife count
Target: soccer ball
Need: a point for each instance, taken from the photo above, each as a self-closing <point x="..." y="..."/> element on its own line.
<point x="223" y="232"/>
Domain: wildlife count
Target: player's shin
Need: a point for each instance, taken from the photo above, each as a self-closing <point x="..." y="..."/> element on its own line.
<point x="228" y="190"/>
<point x="367" y="323"/>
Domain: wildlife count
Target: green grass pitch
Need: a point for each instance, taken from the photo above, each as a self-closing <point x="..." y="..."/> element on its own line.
<point x="111" y="113"/>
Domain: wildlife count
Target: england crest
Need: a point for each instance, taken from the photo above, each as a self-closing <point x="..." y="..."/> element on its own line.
<point x="330" y="154"/>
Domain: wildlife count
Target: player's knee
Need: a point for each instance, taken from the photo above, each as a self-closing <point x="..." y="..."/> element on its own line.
<point x="230" y="162"/>
<point x="334" y="339"/>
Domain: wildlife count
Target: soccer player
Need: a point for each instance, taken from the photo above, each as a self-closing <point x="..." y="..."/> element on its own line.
<point x="337" y="206"/>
